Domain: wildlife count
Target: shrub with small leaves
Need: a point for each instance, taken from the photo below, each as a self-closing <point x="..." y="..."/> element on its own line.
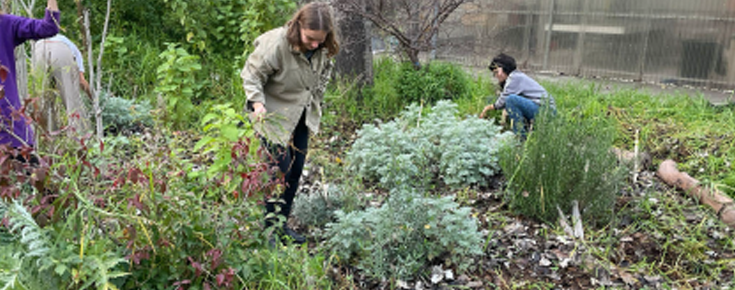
<point x="420" y="149"/>
<point x="121" y="114"/>
<point x="406" y="236"/>
<point x="317" y="208"/>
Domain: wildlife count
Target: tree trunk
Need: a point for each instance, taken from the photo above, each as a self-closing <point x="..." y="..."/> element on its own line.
<point x="413" y="56"/>
<point x="355" y="59"/>
<point x="712" y="197"/>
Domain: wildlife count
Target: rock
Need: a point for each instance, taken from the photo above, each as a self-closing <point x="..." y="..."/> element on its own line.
<point x="437" y="274"/>
<point x="448" y="275"/>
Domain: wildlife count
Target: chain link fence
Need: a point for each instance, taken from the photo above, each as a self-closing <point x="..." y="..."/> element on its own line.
<point x="663" y="41"/>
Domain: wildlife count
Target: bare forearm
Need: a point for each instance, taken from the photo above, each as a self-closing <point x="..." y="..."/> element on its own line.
<point x="52" y="5"/>
<point x="487" y="108"/>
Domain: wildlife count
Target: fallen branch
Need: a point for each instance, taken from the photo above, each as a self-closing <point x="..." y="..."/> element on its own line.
<point x="712" y="197"/>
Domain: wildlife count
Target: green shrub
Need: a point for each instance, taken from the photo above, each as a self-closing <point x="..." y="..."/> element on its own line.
<point x="420" y="150"/>
<point x="396" y="85"/>
<point x="177" y="84"/>
<point x="563" y="160"/>
<point x="283" y="268"/>
<point x="119" y="114"/>
<point x="223" y="126"/>
<point x="435" y="81"/>
<point x="316" y="209"/>
<point x="406" y="236"/>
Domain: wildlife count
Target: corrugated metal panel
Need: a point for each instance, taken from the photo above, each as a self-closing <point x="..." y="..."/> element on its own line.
<point x="680" y="41"/>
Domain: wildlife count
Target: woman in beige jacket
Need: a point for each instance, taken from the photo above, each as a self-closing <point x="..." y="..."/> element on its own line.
<point x="285" y="77"/>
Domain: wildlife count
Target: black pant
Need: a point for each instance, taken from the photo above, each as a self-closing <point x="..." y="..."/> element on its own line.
<point x="290" y="162"/>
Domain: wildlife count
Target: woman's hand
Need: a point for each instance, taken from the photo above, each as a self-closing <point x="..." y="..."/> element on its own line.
<point x="259" y="110"/>
<point x="487" y="108"/>
<point x="51" y="5"/>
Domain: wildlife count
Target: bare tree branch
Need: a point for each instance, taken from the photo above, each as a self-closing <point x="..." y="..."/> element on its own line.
<point x="414" y="23"/>
<point x="96" y="75"/>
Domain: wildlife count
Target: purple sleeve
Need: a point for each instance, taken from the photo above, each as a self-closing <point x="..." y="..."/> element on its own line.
<point x="28" y="28"/>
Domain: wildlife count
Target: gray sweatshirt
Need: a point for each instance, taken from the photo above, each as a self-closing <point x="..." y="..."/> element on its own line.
<point x="520" y="84"/>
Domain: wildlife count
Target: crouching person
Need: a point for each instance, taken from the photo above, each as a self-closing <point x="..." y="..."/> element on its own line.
<point x="521" y="96"/>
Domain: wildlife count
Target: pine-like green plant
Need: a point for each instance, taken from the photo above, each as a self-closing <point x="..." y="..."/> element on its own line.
<point x="423" y="149"/>
<point x="563" y="160"/>
<point x="406" y="235"/>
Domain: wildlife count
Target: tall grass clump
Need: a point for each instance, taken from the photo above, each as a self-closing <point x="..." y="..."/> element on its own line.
<point x="563" y="160"/>
<point x="687" y="129"/>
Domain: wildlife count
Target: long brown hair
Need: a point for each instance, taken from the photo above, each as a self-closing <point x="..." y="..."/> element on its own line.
<point x="314" y="16"/>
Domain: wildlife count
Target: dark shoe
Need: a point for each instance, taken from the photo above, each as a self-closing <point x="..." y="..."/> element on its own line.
<point x="295" y="237"/>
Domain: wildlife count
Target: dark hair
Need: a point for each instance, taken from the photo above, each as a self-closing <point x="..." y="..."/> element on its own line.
<point x="314" y="16"/>
<point x="505" y="61"/>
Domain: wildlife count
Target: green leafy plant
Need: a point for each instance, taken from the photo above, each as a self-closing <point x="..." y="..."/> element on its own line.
<point x="434" y="82"/>
<point x="420" y="150"/>
<point x="177" y="83"/>
<point x="260" y="16"/>
<point x="316" y="209"/>
<point x="285" y="267"/>
<point x="406" y="235"/>
<point x="563" y="160"/>
<point x="223" y="126"/>
<point x="36" y="260"/>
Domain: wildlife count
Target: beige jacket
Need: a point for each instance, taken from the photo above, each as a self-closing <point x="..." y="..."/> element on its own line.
<point x="280" y="77"/>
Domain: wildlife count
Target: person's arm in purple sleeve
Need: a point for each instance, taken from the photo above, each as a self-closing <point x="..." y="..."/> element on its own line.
<point x="28" y="28"/>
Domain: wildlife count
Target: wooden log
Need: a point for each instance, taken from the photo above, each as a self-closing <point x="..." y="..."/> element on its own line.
<point x="719" y="202"/>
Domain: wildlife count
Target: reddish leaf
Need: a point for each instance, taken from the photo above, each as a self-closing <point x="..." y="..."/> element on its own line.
<point x="162" y="186"/>
<point x="102" y="146"/>
<point x="220" y="279"/>
<point x="216" y="255"/>
<point x="86" y="163"/>
<point x="134" y="175"/>
<point x="197" y="267"/>
<point x="182" y="282"/>
<point x="3" y="73"/>
<point x="51" y="211"/>
<point x="100" y="202"/>
<point x="135" y="201"/>
<point x="47" y="199"/>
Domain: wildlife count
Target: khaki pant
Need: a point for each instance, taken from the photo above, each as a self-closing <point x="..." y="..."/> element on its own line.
<point x="57" y="59"/>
